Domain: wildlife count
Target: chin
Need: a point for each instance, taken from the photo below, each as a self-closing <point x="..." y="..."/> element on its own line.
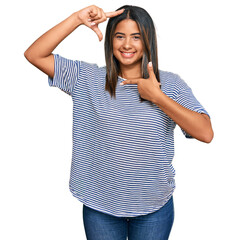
<point x="130" y="62"/>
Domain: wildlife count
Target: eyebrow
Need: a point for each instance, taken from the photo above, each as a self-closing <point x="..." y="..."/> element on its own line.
<point x="133" y="34"/>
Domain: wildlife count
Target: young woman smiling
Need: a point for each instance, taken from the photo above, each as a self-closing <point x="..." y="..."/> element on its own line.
<point x="124" y="117"/>
<point x="128" y="48"/>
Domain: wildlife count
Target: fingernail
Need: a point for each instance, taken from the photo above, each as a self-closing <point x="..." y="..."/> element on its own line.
<point x="121" y="83"/>
<point x="93" y="23"/>
<point x="89" y="20"/>
<point x="150" y="64"/>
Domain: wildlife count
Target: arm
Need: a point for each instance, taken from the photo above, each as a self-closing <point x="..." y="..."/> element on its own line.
<point x="40" y="52"/>
<point x="195" y="124"/>
<point x="198" y="125"/>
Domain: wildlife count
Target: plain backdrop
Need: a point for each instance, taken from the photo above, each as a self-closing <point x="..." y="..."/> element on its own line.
<point x="196" y="39"/>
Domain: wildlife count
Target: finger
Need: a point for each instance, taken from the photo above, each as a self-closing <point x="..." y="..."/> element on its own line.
<point x="93" y="11"/>
<point x="114" y="14"/>
<point x="130" y="81"/>
<point x="97" y="16"/>
<point x="150" y="70"/>
<point x="152" y="74"/>
<point x="102" y="19"/>
<point x="97" y="31"/>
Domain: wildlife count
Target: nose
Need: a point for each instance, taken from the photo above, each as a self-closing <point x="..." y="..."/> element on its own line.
<point x="127" y="43"/>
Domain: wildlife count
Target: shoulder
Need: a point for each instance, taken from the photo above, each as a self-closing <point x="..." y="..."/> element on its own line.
<point x="81" y="65"/>
<point x="170" y="78"/>
<point x="168" y="82"/>
<point x="172" y="83"/>
<point x="166" y="75"/>
<point x="91" y="68"/>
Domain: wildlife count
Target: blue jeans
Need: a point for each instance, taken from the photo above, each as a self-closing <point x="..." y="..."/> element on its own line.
<point x="153" y="226"/>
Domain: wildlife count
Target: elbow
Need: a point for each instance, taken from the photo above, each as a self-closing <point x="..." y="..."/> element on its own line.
<point x="31" y="56"/>
<point x="207" y="130"/>
<point x="208" y="136"/>
<point x="27" y="55"/>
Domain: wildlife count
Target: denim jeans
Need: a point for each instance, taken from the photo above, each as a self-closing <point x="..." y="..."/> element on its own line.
<point x="153" y="226"/>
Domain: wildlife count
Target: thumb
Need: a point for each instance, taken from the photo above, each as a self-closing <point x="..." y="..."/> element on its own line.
<point x="95" y="28"/>
<point x="150" y="70"/>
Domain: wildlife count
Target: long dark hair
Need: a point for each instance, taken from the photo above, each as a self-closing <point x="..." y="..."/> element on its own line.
<point x="149" y="41"/>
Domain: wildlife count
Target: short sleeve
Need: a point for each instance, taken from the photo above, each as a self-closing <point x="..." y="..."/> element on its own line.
<point x="186" y="98"/>
<point x="65" y="74"/>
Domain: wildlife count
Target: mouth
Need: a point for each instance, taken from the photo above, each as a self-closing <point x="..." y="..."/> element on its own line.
<point x="128" y="54"/>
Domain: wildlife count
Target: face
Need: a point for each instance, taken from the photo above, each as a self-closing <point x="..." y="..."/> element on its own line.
<point x="127" y="44"/>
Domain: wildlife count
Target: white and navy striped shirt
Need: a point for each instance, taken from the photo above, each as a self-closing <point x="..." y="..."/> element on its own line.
<point x="122" y="148"/>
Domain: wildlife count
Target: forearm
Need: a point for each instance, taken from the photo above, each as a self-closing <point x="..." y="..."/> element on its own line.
<point x="45" y="44"/>
<point x="195" y="124"/>
<point x="40" y="52"/>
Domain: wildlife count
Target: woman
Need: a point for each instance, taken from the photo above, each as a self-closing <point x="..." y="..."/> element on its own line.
<point x="124" y="115"/>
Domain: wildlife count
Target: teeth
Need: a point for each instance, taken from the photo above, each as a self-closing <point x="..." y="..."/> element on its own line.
<point x="127" y="53"/>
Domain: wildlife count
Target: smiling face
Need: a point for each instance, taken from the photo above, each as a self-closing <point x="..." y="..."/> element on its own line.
<point x="127" y="45"/>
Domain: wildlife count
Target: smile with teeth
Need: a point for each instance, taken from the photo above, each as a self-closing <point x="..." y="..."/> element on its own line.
<point x="128" y="54"/>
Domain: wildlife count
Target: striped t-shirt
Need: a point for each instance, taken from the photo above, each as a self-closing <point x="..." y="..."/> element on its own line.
<point x="122" y="148"/>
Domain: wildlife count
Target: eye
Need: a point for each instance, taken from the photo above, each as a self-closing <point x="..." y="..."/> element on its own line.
<point x="136" y="37"/>
<point x="119" y="37"/>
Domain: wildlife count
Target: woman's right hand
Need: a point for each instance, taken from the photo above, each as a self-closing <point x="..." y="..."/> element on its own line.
<point x="40" y="52"/>
<point x="91" y="16"/>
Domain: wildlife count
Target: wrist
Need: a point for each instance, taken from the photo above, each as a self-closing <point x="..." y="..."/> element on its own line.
<point x="157" y="97"/>
<point x="77" y="19"/>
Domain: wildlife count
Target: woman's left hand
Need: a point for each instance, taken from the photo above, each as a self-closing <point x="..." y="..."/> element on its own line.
<point x="148" y="88"/>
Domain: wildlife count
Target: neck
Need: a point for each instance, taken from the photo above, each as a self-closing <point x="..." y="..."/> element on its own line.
<point x="130" y="72"/>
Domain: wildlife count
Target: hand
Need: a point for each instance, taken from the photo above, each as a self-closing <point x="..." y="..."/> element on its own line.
<point x="148" y="88"/>
<point x="91" y="16"/>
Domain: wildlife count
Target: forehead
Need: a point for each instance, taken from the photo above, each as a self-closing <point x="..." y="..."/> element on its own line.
<point x="127" y="26"/>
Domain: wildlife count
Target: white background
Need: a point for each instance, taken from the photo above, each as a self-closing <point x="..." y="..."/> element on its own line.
<point x="196" y="39"/>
